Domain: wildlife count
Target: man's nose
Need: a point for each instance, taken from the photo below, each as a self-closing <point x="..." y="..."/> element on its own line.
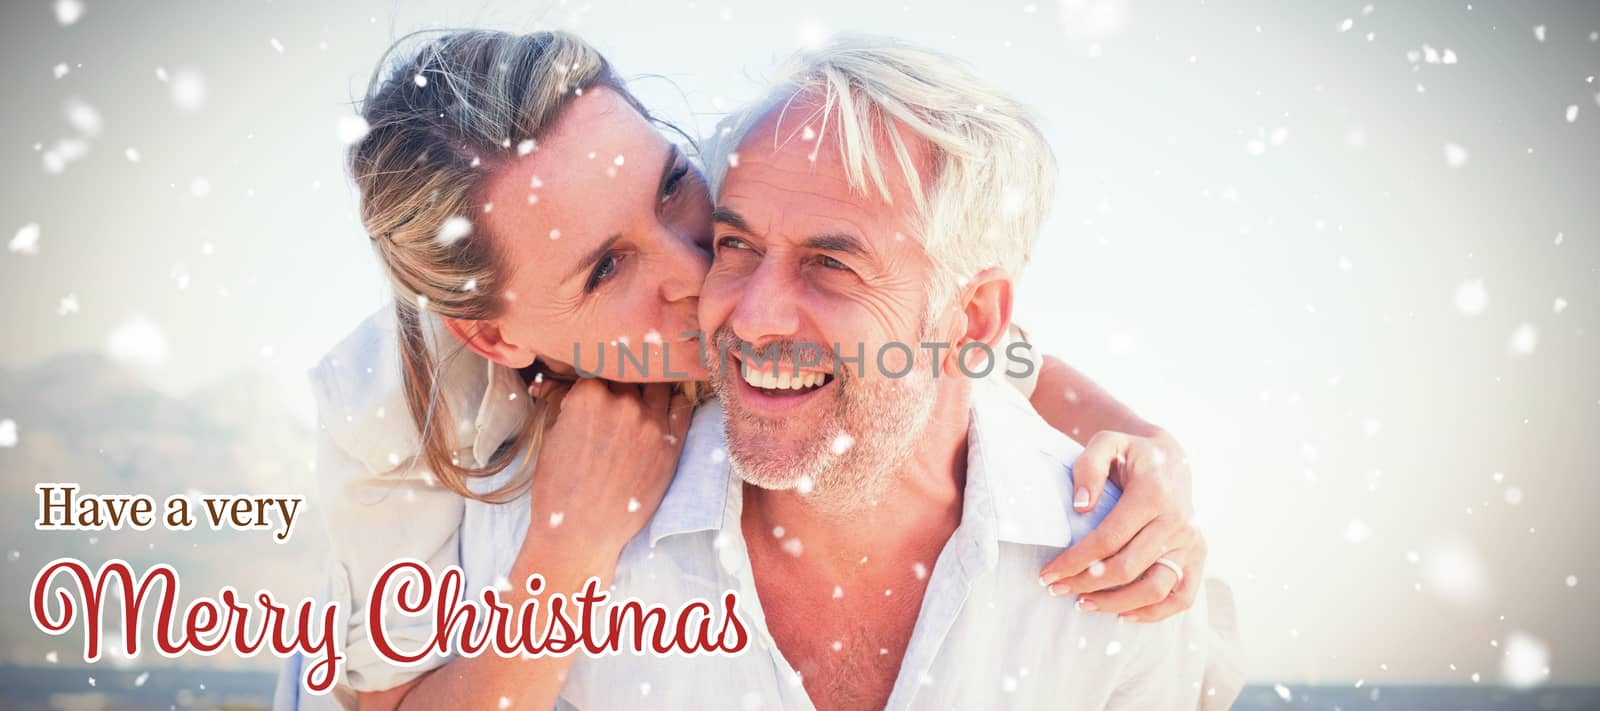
<point x="766" y="307"/>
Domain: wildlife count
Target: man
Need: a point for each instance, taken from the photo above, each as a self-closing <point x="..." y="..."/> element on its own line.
<point x="879" y="204"/>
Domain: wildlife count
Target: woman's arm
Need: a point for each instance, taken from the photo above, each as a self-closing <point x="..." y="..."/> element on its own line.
<point x="1151" y="519"/>
<point x="602" y="470"/>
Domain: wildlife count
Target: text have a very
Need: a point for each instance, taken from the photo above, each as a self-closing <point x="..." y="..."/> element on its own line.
<point x="63" y="508"/>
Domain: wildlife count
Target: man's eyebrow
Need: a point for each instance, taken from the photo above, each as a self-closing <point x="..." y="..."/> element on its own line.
<point x="593" y="256"/>
<point x="837" y="242"/>
<point x="730" y="218"/>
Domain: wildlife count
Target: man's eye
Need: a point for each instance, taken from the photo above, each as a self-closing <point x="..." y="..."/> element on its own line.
<point x="732" y="243"/>
<point x="603" y="270"/>
<point x="832" y="263"/>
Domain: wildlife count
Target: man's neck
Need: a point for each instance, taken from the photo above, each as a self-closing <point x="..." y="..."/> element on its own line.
<point x="907" y="523"/>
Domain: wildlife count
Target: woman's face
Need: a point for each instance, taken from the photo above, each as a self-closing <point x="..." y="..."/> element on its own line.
<point x="604" y="228"/>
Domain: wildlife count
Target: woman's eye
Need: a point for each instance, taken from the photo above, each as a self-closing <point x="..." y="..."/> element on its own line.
<point x="832" y="263"/>
<point x="603" y="270"/>
<point x="670" y="188"/>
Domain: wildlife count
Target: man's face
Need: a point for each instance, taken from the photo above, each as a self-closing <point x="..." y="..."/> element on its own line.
<point x="799" y="259"/>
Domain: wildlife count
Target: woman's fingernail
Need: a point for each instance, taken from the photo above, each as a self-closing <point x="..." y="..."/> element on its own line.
<point x="1044" y="581"/>
<point x="1086" y="605"/>
<point x="1058" y="590"/>
<point x="1080" y="500"/>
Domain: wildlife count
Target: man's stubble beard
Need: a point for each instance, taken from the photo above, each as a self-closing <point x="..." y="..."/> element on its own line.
<point x="882" y="417"/>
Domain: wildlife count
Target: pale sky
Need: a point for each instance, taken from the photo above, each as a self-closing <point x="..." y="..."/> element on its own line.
<point x="1344" y="254"/>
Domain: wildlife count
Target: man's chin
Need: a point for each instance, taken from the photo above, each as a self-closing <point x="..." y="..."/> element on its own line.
<point x="763" y="459"/>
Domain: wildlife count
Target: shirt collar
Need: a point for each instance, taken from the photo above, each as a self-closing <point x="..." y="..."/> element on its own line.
<point x="698" y="497"/>
<point x="1023" y="467"/>
<point x="1027" y="468"/>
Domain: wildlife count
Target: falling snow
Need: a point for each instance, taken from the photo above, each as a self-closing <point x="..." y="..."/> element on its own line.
<point x="842" y="443"/>
<point x="351" y="129"/>
<point x="68" y="12"/>
<point x="137" y="341"/>
<point x="188" y="89"/>
<point x="453" y="229"/>
<point x="26" y="241"/>
<point x="1526" y="662"/>
<point x="1524" y="339"/>
<point x="1471" y="297"/>
<point x="8" y="433"/>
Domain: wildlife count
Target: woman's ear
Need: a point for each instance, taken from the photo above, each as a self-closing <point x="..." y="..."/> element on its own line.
<point x="486" y="339"/>
<point x="985" y="304"/>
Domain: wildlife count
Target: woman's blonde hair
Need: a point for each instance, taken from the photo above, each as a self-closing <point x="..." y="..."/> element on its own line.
<point x="440" y="121"/>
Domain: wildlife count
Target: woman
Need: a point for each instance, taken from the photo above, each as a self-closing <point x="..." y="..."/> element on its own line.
<point x="530" y="214"/>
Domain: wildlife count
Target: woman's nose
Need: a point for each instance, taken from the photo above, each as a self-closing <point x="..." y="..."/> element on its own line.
<point x="684" y="269"/>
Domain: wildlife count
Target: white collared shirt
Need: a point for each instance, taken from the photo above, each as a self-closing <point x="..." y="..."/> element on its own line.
<point x="379" y="508"/>
<point x="987" y="636"/>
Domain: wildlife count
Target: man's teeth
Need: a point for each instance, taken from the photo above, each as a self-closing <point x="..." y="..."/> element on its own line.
<point x="783" y="379"/>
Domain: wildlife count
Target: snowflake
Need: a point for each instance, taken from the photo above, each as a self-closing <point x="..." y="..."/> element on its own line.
<point x="556" y="519"/>
<point x="1526" y="662"/>
<point x="188" y="88"/>
<point x="200" y="187"/>
<point x="525" y="147"/>
<point x="26" y="240"/>
<point x="83" y="117"/>
<point x="1523" y="340"/>
<point x="1572" y="113"/>
<point x="68" y="11"/>
<point x="138" y="341"/>
<point x="1454" y="155"/>
<point x="842" y="443"/>
<point x="352" y="128"/>
<point x="1357" y="531"/>
<point x="454" y="228"/>
<point x="1113" y="648"/>
<point x="8" y="437"/>
<point x="1471" y="297"/>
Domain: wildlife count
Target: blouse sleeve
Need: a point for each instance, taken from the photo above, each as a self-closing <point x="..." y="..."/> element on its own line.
<point x="373" y="520"/>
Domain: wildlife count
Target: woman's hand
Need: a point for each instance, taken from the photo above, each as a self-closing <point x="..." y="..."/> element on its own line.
<point x="604" y="465"/>
<point x="1114" y="568"/>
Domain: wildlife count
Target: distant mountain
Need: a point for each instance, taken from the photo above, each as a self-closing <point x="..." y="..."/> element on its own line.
<point x="82" y="418"/>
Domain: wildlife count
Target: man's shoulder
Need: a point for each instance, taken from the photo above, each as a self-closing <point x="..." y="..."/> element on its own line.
<point x="1030" y="469"/>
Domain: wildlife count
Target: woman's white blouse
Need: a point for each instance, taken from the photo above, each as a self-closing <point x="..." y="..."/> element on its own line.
<point x="381" y="505"/>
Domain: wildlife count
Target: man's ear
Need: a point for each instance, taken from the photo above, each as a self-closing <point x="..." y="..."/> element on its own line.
<point x="486" y="339"/>
<point x="985" y="306"/>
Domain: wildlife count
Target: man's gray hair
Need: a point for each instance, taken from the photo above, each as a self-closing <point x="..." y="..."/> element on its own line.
<point x="992" y="175"/>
